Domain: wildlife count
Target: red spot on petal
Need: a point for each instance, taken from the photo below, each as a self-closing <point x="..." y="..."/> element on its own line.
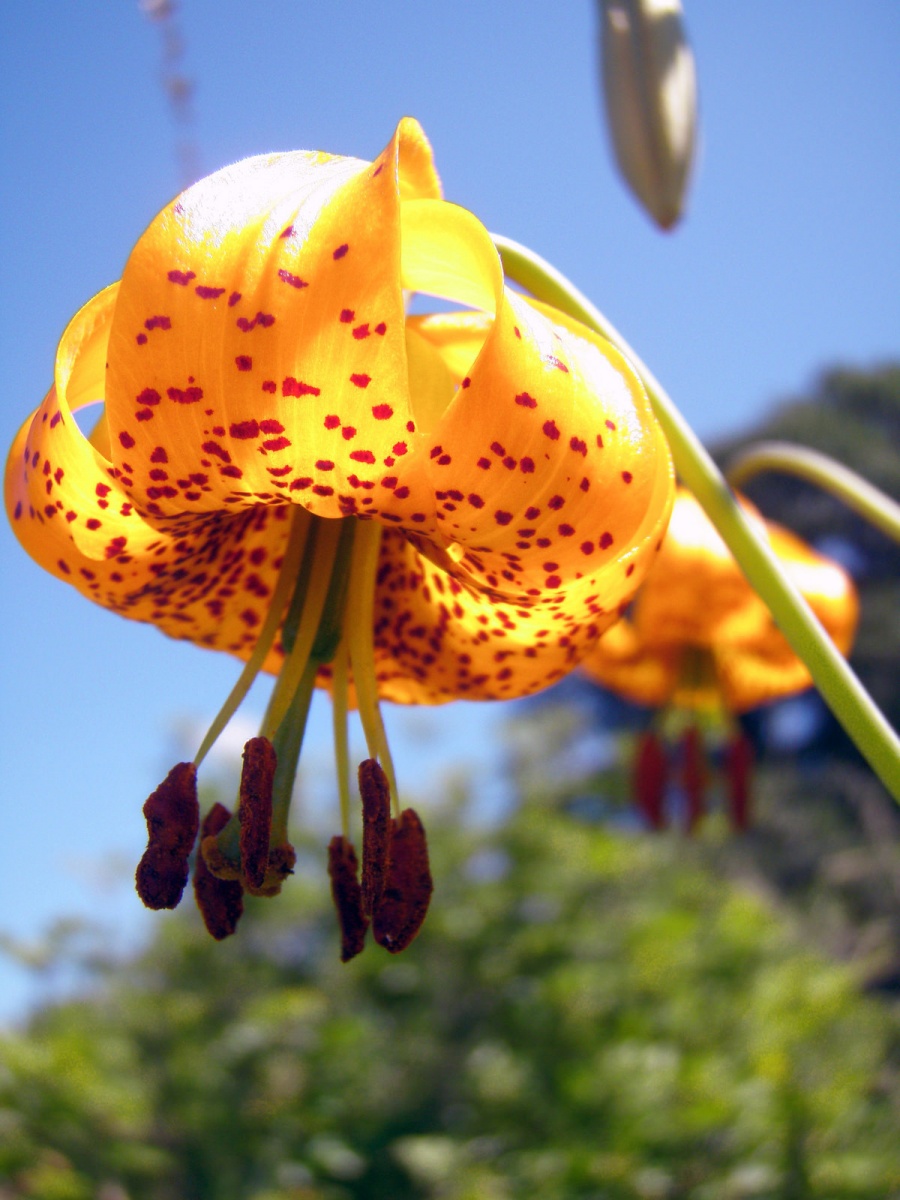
<point x="360" y="380"/>
<point x="627" y="476"/>
<point x="382" y="412"/>
<point x="216" y="450"/>
<point x="340" y="252"/>
<point x="502" y="518"/>
<point x="208" y="293"/>
<point x="526" y="401"/>
<point x="550" y="430"/>
<point x="243" y="362"/>
<point x="126" y="440"/>
<point x="296" y="387"/>
<point x="183" y="278"/>
<point x="363" y="456"/>
<point x="293" y="281"/>
<point x="244" y="429"/>
<point x="606" y="541"/>
<point x="189" y="395"/>
<point x="347" y="315"/>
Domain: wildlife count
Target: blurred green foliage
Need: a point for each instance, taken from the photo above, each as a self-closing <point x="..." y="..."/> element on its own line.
<point x="584" y="1015"/>
<point x="587" y="1015"/>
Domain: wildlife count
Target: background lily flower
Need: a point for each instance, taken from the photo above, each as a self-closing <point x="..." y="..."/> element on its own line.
<point x="699" y="644"/>
<point x="696" y="605"/>
<point x="270" y="411"/>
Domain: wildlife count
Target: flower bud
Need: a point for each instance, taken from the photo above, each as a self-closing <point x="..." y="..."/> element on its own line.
<point x="650" y="89"/>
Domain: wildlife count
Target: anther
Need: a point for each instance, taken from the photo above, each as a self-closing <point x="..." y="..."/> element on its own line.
<point x="376" y="810"/>
<point x="255" y="811"/>
<point x="220" y="901"/>
<point x="738" y="768"/>
<point x="401" y="910"/>
<point x="347" y="895"/>
<point x="693" y="777"/>
<point x="650" y="779"/>
<point x="173" y="818"/>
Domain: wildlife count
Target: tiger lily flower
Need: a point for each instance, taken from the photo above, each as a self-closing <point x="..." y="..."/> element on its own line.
<point x="292" y="469"/>
<point x="699" y="644"/>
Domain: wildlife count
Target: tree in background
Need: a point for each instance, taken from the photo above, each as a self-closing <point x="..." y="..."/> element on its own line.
<point x="589" y="1013"/>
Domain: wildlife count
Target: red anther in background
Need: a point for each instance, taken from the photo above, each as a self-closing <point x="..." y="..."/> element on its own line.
<point x="738" y="771"/>
<point x="650" y="777"/>
<point x="693" y="776"/>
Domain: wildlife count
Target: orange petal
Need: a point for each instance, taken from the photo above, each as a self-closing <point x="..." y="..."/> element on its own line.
<point x="258" y="338"/>
<point x="436" y="640"/>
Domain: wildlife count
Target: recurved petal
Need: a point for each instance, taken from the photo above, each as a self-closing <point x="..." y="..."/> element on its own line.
<point x="761" y="666"/>
<point x="623" y="663"/>
<point x="258" y="340"/>
<point x="697" y="594"/>
<point x="547" y="464"/>
<point x="205" y="577"/>
<point x="437" y="640"/>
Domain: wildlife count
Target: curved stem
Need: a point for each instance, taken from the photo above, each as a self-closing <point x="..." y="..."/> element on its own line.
<point x="857" y="493"/>
<point x="833" y="676"/>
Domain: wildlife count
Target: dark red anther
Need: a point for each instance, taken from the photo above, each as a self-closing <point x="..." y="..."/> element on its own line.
<point x="693" y="775"/>
<point x="408" y="887"/>
<point x="255" y="810"/>
<point x="173" y="818"/>
<point x="738" y="770"/>
<point x="347" y="895"/>
<point x="650" y="778"/>
<point x="376" y="810"/>
<point x="220" y="901"/>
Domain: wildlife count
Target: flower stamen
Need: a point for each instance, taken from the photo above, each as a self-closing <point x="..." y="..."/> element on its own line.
<point x="173" y="818"/>
<point x="347" y="895"/>
<point x="407" y="892"/>
<point x="375" y="793"/>
<point x="221" y="901"/>
<point x="255" y="809"/>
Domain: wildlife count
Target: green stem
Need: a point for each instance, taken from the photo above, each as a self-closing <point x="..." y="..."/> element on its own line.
<point x="840" y="687"/>
<point x="857" y="493"/>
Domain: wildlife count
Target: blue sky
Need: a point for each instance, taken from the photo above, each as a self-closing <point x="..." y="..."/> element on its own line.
<point x="788" y="261"/>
